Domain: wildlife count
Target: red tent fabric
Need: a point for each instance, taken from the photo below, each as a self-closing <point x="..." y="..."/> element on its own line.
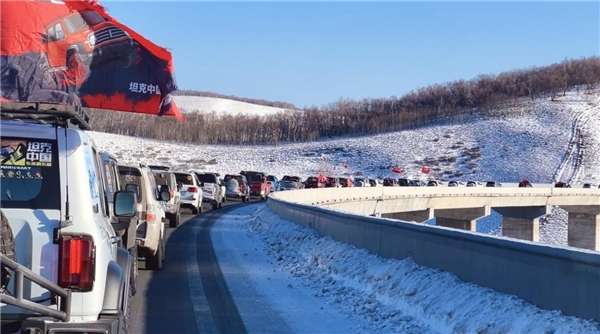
<point x="74" y="52"/>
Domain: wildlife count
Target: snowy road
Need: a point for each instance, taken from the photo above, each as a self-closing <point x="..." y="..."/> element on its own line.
<point x="242" y="269"/>
<point x="216" y="281"/>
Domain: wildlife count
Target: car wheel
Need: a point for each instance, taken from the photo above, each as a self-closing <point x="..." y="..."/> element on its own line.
<point x="155" y="261"/>
<point x="215" y="205"/>
<point x="134" y="270"/>
<point x="194" y="211"/>
<point x="174" y="219"/>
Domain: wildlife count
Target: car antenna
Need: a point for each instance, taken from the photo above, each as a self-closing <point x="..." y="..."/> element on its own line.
<point x="67" y="221"/>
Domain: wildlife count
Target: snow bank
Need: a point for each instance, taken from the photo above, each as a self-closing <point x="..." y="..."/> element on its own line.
<point x="398" y="296"/>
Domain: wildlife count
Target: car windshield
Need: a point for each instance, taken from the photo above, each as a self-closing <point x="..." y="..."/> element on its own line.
<point x="91" y="17"/>
<point x="29" y="174"/>
<point x="291" y="178"/>
<point x="75" y="23"/>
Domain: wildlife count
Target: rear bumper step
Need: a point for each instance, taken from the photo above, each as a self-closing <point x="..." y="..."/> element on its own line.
<point x="105" y="325"/>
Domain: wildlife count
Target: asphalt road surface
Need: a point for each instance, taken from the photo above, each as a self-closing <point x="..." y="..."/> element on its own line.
<point x="163" y="303"/>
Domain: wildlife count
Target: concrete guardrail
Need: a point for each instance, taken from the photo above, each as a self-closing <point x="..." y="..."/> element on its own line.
<point x="555" y="278"/>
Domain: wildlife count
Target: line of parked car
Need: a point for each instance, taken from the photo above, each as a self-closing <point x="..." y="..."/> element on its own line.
<point x="295" y="182"/>
<point x="75" y="221"/>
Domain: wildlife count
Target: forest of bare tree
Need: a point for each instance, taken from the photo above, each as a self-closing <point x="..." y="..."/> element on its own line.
<point x="362" y="117"/>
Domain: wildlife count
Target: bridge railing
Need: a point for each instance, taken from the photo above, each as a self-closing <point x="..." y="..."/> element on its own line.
<point x="556" y="278"/>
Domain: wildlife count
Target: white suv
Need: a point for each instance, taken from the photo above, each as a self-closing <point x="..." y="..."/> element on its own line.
<point x="190" y="190"/>
<point x="69" y="272"/>
<point x="150" y="212"/>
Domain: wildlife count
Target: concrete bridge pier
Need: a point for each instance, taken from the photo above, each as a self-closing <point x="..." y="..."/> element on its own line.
<point x="584" y="226"/>
<point x="522" y="222"/>
<point x="463" y="219"/>
<point x="416" y="216"/>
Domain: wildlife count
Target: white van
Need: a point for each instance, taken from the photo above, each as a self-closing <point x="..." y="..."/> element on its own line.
<point x="75" y="274"/>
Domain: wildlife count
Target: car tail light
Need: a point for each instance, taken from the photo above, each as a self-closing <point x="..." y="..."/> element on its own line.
<point x="193" y="189"/>
<point x="150" y="217"/>
<point x="76" y="264"/>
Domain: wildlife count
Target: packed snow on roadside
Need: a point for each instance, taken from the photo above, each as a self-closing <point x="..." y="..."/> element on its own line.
<point x="396" y="296"/>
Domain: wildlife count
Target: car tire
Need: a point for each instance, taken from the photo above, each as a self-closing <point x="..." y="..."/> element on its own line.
<point x="174" y="219"/>
<point x="215" y="205"/>
<point x="194" y="211"/>
<point x="134" y="270"/>
<point x="155" y="261"/>
<point x="7" y="248"/>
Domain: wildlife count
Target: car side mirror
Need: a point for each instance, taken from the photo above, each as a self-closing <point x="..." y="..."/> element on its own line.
<point x="165" y="195"/>
<point x="124" y="204"/>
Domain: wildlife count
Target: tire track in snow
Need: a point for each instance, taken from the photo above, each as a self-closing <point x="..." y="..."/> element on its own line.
<point x="571" y="165"/>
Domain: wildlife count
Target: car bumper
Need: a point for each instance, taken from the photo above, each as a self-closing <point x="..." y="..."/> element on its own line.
<point x="45" y="325"/>
<point x="189" y="201"/>
<point x="208" y="197"/>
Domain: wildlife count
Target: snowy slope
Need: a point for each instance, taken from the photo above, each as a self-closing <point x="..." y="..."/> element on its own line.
<point x="530" y="142"/>
<point x="201" y="104"/>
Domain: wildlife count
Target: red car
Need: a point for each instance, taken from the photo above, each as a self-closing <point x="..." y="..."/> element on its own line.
<point x="259" y="185"/>
<point x="314" y="182"/>
<point x="345" y="182"/>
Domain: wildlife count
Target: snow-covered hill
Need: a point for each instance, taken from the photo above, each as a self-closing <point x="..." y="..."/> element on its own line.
<point x="202" y="104"/>
<point x="529" y="140"/>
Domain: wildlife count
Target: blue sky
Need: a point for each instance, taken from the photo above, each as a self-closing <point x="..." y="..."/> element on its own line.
<point x="313" y="53"/>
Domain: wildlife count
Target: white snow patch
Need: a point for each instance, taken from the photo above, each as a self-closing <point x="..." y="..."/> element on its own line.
<point x="222" y="106"/>
<point x="398" y="296"/>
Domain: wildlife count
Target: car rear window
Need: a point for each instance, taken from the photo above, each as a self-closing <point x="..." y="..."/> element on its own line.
<point x="207" y="178"/>
<point x="254" y="177"/>
<point x="29" y="173"/>
<point x="130" y="175"/>
<point x="162" y="178"/>
<point x="183" y="178"/>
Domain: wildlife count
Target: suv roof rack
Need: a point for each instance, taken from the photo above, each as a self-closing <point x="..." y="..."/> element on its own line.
<point x="46" y="113"/>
